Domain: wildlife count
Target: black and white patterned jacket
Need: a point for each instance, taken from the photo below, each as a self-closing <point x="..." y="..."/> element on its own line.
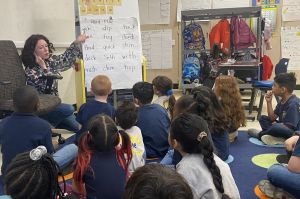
<point x="55" y="64"/>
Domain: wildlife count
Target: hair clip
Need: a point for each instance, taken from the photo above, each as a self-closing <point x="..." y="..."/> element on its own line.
<point x="170" y="92"/>
<point x="119" y="145"/>
<point x="37" y="153"/>
<point x="201" y="136"/>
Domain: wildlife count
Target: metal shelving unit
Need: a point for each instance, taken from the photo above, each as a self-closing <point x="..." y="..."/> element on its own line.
<point x="213" y="14"/>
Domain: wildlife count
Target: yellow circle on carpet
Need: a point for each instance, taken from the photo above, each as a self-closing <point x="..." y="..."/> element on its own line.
<point x="265" y="160"/>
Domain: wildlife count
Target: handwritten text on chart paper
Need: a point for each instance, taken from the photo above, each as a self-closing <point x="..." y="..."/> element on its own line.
<point x="113" y="47"/>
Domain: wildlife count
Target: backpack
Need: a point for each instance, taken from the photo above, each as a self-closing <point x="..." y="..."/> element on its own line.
<point x="220" y="36"/>
<point x="191" y="69"/>
<point x="242" y="35"/>
<point x="193" y="37"/>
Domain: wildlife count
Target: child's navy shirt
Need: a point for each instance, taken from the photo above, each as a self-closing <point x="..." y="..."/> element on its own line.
<point x="288" y="113"/>
<point x="22" y="132"/>
<point x="90" y="109"/>
<point x="105" y="179"/>
<point x="154" y="122"/>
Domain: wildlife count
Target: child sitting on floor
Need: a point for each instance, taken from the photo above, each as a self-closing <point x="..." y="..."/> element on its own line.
<point x="33" y="175"/>
<point x="126" y="117"/>
<point x="24" y="131"/>
<point x="181" y="106"/>
<point x="104" y="154"/>
<point x="207" y="175"/>
<point x="101" y="88"/>
<point x="281" y="123"/>
<point x="284" y="180"/>
<point x="228" y="92"/>
<point x="154" y="181"/>
<point x="162" y="87"/>
<point x="207" y="105"/>
<point x="153" y="120"/>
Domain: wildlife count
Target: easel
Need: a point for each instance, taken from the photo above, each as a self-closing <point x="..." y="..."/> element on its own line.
<point x="81" y="97"/>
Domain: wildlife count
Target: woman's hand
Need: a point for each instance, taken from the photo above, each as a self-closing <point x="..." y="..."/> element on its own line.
<point x="40" y="62"/>
<point x="81" y="38"/>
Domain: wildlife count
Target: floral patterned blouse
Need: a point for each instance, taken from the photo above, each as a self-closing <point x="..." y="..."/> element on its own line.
<point x="56" y="63"/>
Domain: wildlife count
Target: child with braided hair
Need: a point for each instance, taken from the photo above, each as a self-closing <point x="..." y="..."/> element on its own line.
<point x="33" y="175"/>
<point x="207" y="175"/>
<point x="104" y="154"/>
<point x="207" y="105"/>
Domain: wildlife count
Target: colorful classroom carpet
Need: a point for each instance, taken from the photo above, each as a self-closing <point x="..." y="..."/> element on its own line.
<point x="248" y="167"/>
<point x="250" y="163"/>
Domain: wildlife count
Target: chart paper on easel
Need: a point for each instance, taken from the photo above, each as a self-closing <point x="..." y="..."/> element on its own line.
<point x="114" y="47"/>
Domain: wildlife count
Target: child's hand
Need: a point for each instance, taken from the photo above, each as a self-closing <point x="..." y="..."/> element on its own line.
<point x="291" y="143"/>
<point x="269" y="96"/>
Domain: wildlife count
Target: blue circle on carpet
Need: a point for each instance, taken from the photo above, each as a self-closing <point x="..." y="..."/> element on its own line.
<point x="229" y="159"/>
<point x="260" y="143"/>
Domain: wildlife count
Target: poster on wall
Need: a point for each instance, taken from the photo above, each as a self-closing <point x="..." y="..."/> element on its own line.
<point x="265" y="2"/>
<point x="290" y="46"/>
<point x="291" y="10"/>
<point x="157" y="48"/>
<point x="270" y="12"/>
<point x="114" y="44"/>
<point x="155" y="11"/>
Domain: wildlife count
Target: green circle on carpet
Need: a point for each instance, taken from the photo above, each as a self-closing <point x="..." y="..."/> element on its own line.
<point x="265" y="160"/>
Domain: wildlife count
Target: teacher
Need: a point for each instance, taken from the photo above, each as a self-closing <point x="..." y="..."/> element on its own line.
<point x="42" y="71"/>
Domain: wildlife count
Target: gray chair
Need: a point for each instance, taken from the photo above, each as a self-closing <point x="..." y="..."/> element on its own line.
<point x="12" y="76"/>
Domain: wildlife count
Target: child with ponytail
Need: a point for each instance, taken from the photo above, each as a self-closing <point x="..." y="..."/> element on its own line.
<point x="163" y="88"/>
<point x="207" y="105"/>
<point x="208" y="176"/>
<point x="104" y="154"/>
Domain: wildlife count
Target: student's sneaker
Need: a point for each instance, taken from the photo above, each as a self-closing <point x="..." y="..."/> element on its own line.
<point x="271" y="140"/>
<point x="253" y="133"/>
<point x="283" y="158"/>
<point x="271" y="191"/>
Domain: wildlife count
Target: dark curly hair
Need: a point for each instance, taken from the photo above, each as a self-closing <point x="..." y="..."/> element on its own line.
<point x="143" y="91"/>
<point x="27" y="54"/>
<point x="126" y="115"/>
<point x="287" y="80"/>
<point x="207" y="105"/>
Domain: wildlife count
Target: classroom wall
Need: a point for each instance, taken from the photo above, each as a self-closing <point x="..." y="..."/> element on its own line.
<point x="54" y="18"/>
<point x="67" y="86"/>
<point x="175" y="72"/>
<point x="275" y="53"/>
